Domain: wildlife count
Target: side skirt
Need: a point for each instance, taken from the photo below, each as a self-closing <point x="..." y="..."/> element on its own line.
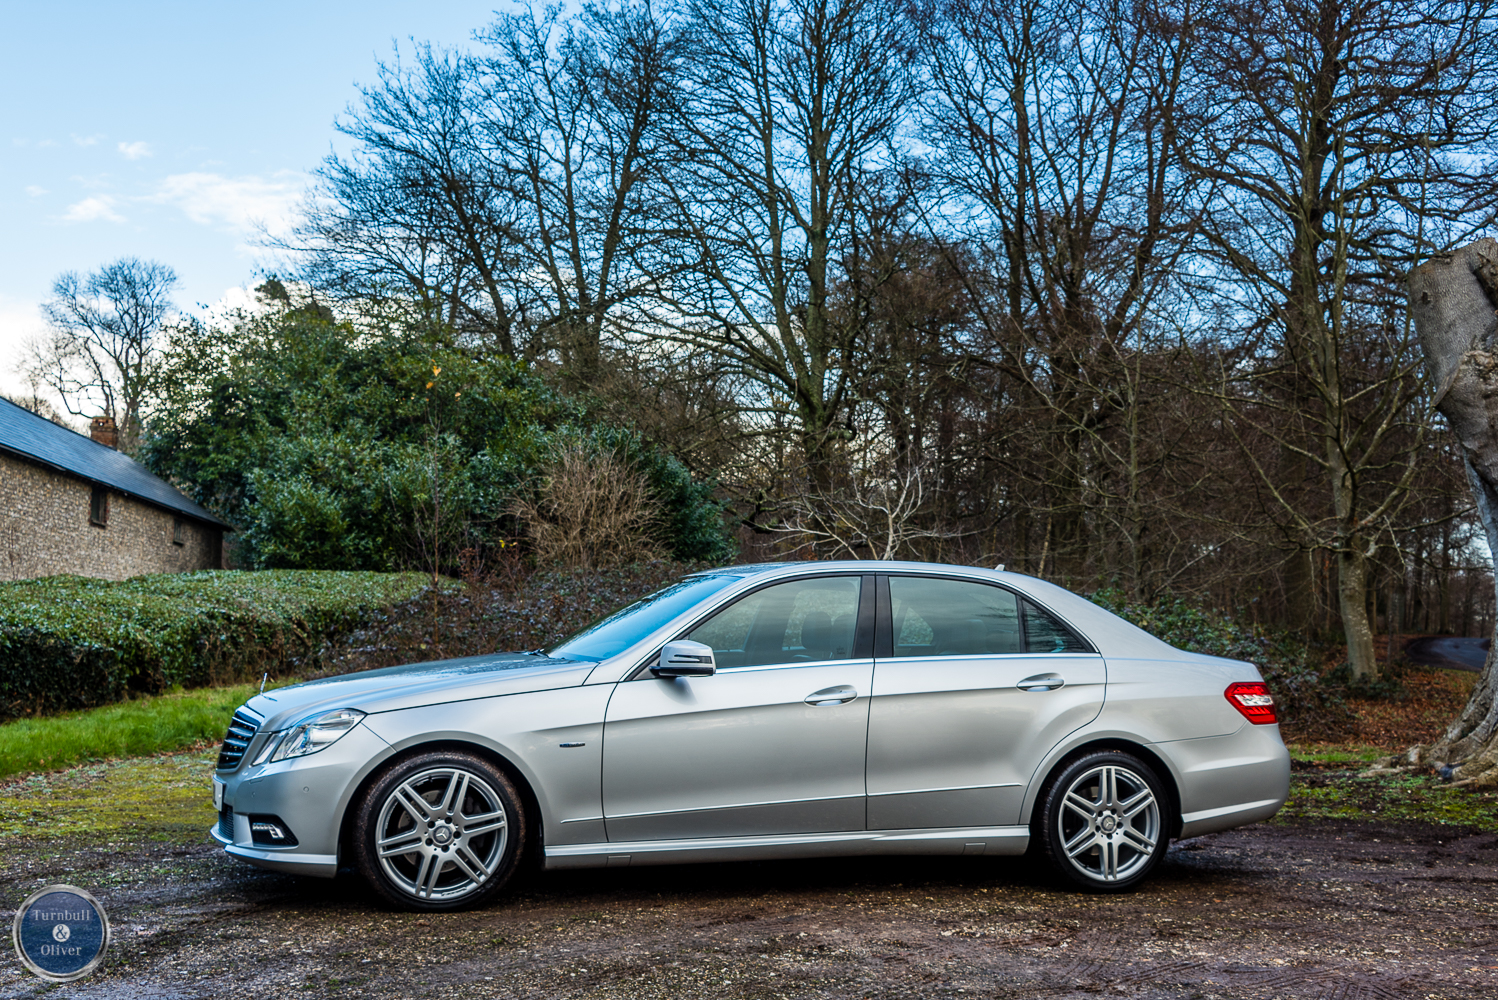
<point x="981" y="840"/>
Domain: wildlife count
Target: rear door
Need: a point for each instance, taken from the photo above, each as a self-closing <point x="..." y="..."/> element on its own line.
<point x="773" y="743"/>
<point x="973" y="684"/>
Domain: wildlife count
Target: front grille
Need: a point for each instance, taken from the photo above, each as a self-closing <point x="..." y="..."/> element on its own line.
<point x="241" y="731"/>
<point x="226" y="823"/>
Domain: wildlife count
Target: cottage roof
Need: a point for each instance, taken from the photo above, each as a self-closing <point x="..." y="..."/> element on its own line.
<point x="36" y="438"/>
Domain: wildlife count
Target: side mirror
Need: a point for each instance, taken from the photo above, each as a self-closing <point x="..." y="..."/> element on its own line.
<point x="684" y="658"/>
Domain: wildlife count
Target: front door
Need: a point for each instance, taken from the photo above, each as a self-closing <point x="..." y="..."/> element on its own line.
<point x="972" y="687"/>
<point x="773" y="743"/>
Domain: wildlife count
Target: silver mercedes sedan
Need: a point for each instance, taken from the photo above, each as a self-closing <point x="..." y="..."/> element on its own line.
<point x="777" y="711"/>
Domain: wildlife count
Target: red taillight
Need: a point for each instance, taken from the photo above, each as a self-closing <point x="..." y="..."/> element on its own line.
<point x="1253" y="700"/>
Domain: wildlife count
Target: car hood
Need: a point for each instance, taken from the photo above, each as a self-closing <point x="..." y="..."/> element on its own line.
<point x="389" y="689"/>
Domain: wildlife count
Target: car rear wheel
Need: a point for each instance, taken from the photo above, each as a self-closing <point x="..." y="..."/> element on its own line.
<point x="1102" y="821"/>
<point x="439" y="831"/>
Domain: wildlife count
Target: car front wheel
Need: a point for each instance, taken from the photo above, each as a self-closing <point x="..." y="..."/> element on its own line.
<point x="1102" y="821"/>
<point x="439" y="831"/>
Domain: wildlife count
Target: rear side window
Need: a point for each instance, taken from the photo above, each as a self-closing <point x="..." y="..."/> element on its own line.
<point x="952" y="618"/>
<point x="934" y="617"/>
<point x="1044" y="634"/>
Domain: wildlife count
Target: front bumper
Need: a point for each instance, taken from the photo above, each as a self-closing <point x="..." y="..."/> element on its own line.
<point x="280" y="859"/>
<point x="310" y="794"/>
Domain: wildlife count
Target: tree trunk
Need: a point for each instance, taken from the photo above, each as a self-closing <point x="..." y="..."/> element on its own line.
<point x="1453" y="299"/>
<point x="1352" y="597"/>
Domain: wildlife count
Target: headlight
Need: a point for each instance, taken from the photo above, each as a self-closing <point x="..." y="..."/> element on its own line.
<point x="310" y="735"/>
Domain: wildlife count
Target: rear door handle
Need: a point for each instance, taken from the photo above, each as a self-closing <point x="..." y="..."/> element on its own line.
<point x="1041" y="682"/>
<point x="840" y="695"/>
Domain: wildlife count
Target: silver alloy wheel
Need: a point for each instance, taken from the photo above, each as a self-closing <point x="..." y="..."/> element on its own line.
<point x="1109" y="823"/>
<point x="441" y="833"/>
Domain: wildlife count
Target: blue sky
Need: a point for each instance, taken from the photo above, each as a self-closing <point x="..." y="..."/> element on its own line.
<point x="167" y="130"/>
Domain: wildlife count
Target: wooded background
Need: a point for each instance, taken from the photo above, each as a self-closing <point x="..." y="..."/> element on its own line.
<point x="1108" y="293"/>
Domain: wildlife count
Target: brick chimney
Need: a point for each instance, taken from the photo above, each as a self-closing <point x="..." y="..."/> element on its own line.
<point x="102" y="430"/>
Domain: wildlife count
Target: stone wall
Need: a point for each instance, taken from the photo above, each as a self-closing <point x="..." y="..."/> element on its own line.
<point x="45" y="530"/>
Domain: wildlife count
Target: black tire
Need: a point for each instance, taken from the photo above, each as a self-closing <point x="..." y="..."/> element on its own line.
<point x="462" y="819"/>
<point x="1102" y="821"/>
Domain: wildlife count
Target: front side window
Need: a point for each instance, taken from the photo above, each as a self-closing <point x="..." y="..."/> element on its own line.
<point x="933" y="617"/>
<point x="801" y="621"/>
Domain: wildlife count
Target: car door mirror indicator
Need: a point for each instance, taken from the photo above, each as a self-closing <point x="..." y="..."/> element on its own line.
<point x="685" y="658"/>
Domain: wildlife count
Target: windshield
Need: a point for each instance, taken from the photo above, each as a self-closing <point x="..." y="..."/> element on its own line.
<point x="623" y="629"/>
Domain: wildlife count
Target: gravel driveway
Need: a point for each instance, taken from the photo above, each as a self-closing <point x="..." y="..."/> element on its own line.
<point x="1337" y="910"/>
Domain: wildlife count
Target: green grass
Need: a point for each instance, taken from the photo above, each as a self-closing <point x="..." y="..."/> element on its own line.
<point x="152" y="725"/>
<point x="1344" y="754"/>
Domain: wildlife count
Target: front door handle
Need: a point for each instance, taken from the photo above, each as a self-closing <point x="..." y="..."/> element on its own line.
<point x="1041" y="682"/>
<point x="840" y="695"/>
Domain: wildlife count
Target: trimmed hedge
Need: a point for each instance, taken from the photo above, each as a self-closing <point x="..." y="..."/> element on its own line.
<point x="70" y="642"/>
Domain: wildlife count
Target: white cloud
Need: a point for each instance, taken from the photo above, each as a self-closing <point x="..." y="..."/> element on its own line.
<point x="135" y="150"/>
<point x="239" y="204"/>
<point x="92" y="209"/>
<point x="87" y="140"/>
<point x="34" y="191"/>
<point x="239" y="300"/>
<point x="20" y="321"/>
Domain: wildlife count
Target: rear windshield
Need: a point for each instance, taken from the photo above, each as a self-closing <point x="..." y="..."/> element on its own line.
<point x="622" y="629"/>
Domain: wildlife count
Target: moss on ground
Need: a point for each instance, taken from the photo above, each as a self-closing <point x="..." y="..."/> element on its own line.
<point x="1330" y="782"/>
<point x="168" y="797"/>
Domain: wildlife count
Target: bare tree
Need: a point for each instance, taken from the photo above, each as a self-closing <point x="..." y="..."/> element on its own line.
<point x="1340" y="142"/>
<point x="503" y="192"/>
<point x="1060" y="157"/>
<point x="786" y="109"/>
<point x="874" y="511"/>
<point x="103" y="351"/>
<point x="574" y="108"/>
<point x="422" y="214"/>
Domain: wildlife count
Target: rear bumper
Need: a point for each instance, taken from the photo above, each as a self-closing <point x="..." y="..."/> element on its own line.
<point x="1228" y="781"/>
<point x="1212" y="820"/>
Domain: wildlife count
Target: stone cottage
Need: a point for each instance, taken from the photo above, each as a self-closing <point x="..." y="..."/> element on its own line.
<point x="73" y="504"/>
